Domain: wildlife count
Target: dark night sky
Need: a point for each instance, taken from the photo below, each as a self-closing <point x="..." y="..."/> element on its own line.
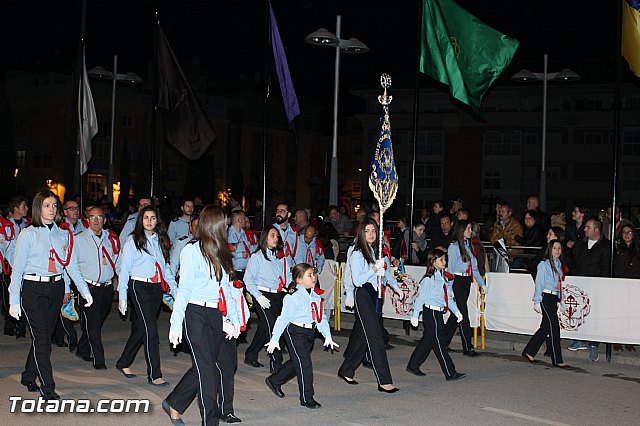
<point x="229" y="36"/>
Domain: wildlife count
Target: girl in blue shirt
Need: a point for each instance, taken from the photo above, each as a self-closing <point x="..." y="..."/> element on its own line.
<point x="547" y="295"/>
<point x="143" y="276"/>
<point x="434" y="299"/>
<point x="302" y="313"/>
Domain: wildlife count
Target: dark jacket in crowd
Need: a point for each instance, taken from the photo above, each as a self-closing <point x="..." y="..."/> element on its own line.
<point x="626" y="263"/>
<point x="594" y="262"/>
<point x="572" y="232"/>
<point x="439" y="239"/>
<point x="533" y="237"/>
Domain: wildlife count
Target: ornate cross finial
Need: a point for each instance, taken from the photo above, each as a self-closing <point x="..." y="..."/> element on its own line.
<point x="385" y="82"/>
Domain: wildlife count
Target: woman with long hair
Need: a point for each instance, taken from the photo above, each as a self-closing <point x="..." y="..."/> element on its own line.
<point x="206" y="269"/>
<point x="547" y="295"/>
<point x="464" y="265"/>
<point x="266" y="278"/>
<point x="144" y="276"/>
<point x="627" y="260"/>
<point x="364" y="290"/>
<point x="37" y="289"/>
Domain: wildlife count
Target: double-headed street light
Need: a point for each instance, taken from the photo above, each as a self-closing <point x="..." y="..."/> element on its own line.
<point x="526" y="76"/>
<point x="322" y="37"/>
<point x="131" y="78"/>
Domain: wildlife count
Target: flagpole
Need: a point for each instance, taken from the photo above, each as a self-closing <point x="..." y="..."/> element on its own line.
<point x="77" y="177"/>
<point x="267" y="44"/>
<point x="154" y="109"/>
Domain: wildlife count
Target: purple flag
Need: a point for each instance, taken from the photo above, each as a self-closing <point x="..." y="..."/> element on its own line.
<point x="186" y="125"/>
<point x="282" y="68"/>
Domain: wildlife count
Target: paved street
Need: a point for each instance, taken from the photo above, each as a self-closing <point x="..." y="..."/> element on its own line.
<point x="501" y="388"/>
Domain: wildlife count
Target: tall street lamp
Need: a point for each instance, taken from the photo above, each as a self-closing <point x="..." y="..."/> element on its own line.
<point x="526" y="76"/>
<point x="322" y="37"/>
<point x="131" y="78"/>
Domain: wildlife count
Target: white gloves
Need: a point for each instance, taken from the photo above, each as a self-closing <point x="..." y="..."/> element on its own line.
<point x="414" y="322"/>
<point x="379" y="264"/>
<point x="536" y="308"/>
<point x="271" y="346"/>
<point x="122" y="307"/>
<point x="88" y="298"/>
<point x="264" y="302"/>
<point x="232" y="330"/>
<point x="175" y="337"/>
<point x="349" y="303"/>
<point x="15" y="311"/>
<point x="380" y="272"/>
<point x="329" y="343"/>
<point x="458" y="316"/>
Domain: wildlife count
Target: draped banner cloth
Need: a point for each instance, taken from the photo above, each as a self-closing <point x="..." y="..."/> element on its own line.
<point x="597" y="309"/>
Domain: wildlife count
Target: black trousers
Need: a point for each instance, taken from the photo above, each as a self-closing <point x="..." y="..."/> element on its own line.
<point x="92" y="319"/>
<point x="549" y="327"/>
<point x="366" y="336"/>
<point x="226" y="366"/>
<point x="266" y="321"/>
<point x="11" y="325"/>
<point x="300" y="342"/>
<point x="146" y="299"/>
<point x="41" y="304"/>
<point x="203" y="331"/>
<point x="65" y="327"/>
<point x="432" y="338"/>
<point x="461" y="289"/>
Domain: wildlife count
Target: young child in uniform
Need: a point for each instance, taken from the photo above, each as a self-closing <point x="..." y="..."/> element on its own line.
<point x="302" y="312"/>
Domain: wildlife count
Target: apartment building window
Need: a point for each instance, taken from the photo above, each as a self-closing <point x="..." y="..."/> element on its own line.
<point x="491" y="180"/>
<point x="502" y="144"/>
<point x="20" y="158"/>
<point x="631" y="142"/>
<point x="127" y="121"/>
<point x="631" y="178"/>
<point x="429" y="175"/>
<point x="429" y="143"/>
<point x="530" y="139"/>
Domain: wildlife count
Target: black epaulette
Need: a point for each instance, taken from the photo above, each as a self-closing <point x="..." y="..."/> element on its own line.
<point x="192" y="241"/>
<point x="292" y="290"/>
<point x="132" y="217"/>
<point x="176" y="219"/>
<point x="183" y="237"/>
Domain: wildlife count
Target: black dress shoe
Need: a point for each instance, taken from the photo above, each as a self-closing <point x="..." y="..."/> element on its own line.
<point x="415" y="372"/>
<point x="127" y="375"/>
<point x="72" y="347"/>
<point x="86" y="358"/>
<point x="100" y="367"/>
<point x="313" y="404"/>
<point x="167" y="409"/>
<point x="456" y="376"/>
<point x="31" y="385"/>
<point x="381" y="389"/>
<point x="470" y="353"/>
<point x="349" y="381"/>
<point x="254" y="364"/>
<point x="274" y="388"/>
<point x="229" y="418"/>
<point x="9" y="333"/>
<point x="50" y="395"/>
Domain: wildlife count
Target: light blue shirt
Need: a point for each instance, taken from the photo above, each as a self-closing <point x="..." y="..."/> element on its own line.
<point x="290" y="240"/>
<point x="199" y="283"/>
<point x="32" y="252"/>
<point x="139" y="263"/>
<point x="236" y="297"/>
<point x="241" y="245"/>
<point x="297" y="307"/>
<point x="311" y="253"/>
<point x="362" y="272"/>
<point x="128" y="228"/>
<point x="178" y="227"/>
<point x="266" y="273"/>
<point x="431" y="293"/>
<point x="11" y="247"/>
<point x="174" y="257"/>
<point x="6" y="248"/>
<point x="457" y="267"/>
<point x="91" y="251"/>
<point x="546" y="279"/>
<point x="77" y="228"/>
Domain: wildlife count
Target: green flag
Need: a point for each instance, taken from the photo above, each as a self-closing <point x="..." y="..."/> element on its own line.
<point x="461" y="51"/>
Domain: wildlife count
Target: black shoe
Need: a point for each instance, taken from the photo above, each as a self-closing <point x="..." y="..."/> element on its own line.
<point x="50" y="395"/>
<point x="415" y="372"/>
<point x="450" y="350"/>
<point x="9" y="333"/>
<point x="349" y="381"/>
<point x="381" y="389"/>
<point x="160" y="385"/>
<point x="127" y="375"/>
<point x="72" y="347"/>
<point x="229" y="418"/>
<point x="387" y="346"/>
<point x="22" y="336"/>
<point x="274" y="388"/>
<point x="456" y="376"/>
<point x="254" y="364"/>
<point x="167" y="409"/>
<point x="31" y="385"/>
<point x="84" y="357"/>
<point x="470" y="353"/>
<point x="100" y="367"/>
<point x="313" y="404"/>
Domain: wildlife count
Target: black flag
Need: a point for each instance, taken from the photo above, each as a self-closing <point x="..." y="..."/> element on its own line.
<point x="186" y="125"/>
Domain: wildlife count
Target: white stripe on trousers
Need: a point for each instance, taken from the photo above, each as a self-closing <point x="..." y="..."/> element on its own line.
<point x="146" y="331"/>
<point x="364" y="331"/>
<point x="299" y="362"/>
